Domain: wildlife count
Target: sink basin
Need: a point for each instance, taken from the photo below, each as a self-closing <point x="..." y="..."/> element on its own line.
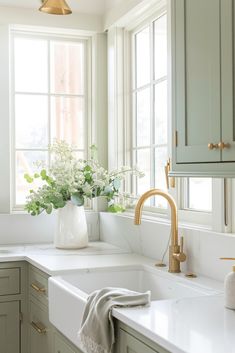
<point x="68" y="293"/>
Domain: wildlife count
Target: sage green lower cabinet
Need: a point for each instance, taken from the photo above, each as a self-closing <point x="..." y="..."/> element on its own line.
<point x="131" y="341"/>
<point x="10" y="327"/>
<point x="130" y="344"/>
<point x="41" y="331"/>
<point x="13" y="308"/>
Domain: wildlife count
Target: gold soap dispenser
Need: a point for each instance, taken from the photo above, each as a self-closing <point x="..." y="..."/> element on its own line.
<point x="229" y="287"/>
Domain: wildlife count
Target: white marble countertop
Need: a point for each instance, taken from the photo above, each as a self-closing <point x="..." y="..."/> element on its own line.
<point x="190" y="325"/>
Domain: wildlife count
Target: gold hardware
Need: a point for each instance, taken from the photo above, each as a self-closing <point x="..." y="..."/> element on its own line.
<point x="175" y="255"/>
<point x="176" y="138"/>
<point x="223" y="145"/>
<point x="37" y="288"/>
<point x="181" y="256"/>
<point x="40" y="328"/>
<point x="213" y="146"/>
<point x="227" y="258"/>
<point x="55" y="7"/>
<point x="170" y="181"/>
<point x="190" y="275"/>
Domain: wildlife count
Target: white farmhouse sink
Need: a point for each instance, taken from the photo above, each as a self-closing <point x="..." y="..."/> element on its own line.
<point x="68" y="293"/>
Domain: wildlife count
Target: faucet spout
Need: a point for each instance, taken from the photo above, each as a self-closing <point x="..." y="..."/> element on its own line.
<point x="176" y="254"/>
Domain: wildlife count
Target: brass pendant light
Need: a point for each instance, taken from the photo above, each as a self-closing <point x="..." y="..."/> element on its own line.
<point x="55" y="7"/>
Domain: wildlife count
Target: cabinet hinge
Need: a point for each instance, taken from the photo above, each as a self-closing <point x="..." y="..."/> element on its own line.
<point x="21" y="317"/>
<point x="176" y="138"/>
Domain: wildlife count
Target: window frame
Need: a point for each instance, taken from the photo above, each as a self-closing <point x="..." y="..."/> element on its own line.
<point x="49" y="36"/>
<point x="210" y="220"/>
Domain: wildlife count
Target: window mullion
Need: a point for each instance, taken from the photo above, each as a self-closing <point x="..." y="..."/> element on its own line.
<point x="152" y="124"/>
<point x="49" y="96"/>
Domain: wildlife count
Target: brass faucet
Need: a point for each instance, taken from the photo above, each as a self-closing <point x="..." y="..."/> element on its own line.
<point x="176" y="254"/>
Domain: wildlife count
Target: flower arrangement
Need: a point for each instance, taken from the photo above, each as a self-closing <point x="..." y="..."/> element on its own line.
<point x="72" y="179"/>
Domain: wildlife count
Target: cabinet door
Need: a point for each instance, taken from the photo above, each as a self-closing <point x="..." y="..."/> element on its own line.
<point x="196" y="79"/>
<point x="228" y="79"/>
<point x="9" y="327"/>
<point x="40" y="336"/>
<point x="130" y="344"/>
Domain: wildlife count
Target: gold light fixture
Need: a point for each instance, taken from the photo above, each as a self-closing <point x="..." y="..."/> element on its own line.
<point x="55" y="7"/>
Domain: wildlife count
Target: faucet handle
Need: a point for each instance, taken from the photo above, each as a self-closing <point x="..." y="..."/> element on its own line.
<point x="181" y="257"/>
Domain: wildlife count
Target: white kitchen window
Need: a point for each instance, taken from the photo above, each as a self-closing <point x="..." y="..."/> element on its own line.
<point x="149" y="125"/>
<point x="149" y="106"/>
<point x="49" y="100"/>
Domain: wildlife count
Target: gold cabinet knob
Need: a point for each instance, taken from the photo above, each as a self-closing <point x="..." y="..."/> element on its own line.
<point x="223" y="145"/>
<point x="213" y="146"/>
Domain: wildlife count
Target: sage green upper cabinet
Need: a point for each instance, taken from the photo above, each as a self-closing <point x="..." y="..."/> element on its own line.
<point x="203" y="87"/>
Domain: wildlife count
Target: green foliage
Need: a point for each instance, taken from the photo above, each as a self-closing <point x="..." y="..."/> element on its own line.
<point x="70" y="179"/>
<point x="116" y="208"/>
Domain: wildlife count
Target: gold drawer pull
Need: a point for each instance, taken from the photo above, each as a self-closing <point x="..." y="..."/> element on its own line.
<point x="223" y="145"/>
<point x="39" y="328"/>
<point x="38" y="289"/>
<point x="213" y="146"/>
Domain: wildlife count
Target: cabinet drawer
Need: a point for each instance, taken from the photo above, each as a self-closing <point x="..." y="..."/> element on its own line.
<point x="40" y="329"/>
<point x="9" y="281"/>
<point x="38" y="285"/>
<point x="128" y="343"/>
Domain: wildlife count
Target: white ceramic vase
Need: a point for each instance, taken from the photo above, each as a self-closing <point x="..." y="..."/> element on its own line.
<point x="71" y="227"/>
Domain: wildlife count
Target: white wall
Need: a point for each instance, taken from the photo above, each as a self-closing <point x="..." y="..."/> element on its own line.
<point x="203" y="248"/>
<point x="26" y="229"/>
<point x="111" y="4"/>
<point x="33" y="17"/>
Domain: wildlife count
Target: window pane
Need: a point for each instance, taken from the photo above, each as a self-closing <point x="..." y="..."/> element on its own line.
<point x="200" y="194"/>
<point x="25" y="164"/>
<point x="143" y="161"/>
<point x="31" y="121"/>
<point x="80" y="155"/>
<point x="160" y="46"/>
<point x="143" y="117"/>
<point x="67" y="68"/>
<point x="31" y="65"/>
<point x="67" y="120"/>
<point x="161" y="113"/>
<point x="143" y="57"/>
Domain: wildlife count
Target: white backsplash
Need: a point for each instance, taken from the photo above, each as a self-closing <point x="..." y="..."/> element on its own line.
<point x="26" y="229"/>
<point x="203" y="247"/>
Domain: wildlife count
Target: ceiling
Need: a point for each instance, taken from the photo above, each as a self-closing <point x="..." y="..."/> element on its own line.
<point x="98" y="7"/>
